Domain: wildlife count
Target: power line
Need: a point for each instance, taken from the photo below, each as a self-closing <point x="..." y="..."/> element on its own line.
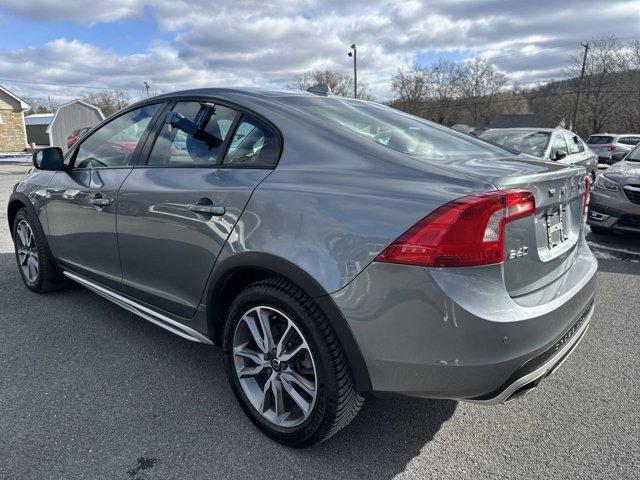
<point x="91" y="87"/>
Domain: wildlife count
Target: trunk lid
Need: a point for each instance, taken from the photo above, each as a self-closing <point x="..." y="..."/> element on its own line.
<point x="540" y="248"/>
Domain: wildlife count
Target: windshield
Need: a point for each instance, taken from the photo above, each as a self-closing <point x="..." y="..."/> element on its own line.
<point x="634" y="155"/>
<point x="526" y="141"/>
<point x="599" y="140"/>
<point x="394" y="129"/>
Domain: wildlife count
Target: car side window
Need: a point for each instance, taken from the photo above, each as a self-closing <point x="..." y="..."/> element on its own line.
<point x="574" y="143"/>
<point x="113" y="144"/>
<point x="177" y="146"/>
<point x="558" y="143"/>
<point x="253" y="144"/>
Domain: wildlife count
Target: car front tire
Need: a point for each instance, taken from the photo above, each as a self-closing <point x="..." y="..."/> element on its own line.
<point x="286" y="366"/>
<point x="37" y="268"/>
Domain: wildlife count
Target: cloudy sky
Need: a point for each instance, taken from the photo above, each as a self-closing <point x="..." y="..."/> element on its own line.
<point x="174" y="44"/>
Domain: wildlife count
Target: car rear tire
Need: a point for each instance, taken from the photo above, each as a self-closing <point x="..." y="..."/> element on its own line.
<point x="35" y="263"/>
<point x="293" y="380"/>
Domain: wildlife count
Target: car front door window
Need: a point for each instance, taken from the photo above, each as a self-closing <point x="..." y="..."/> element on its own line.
<point x="113" y="144"/>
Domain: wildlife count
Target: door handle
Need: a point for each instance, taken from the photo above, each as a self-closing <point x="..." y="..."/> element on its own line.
<point x="217" y="210"/>
<point x="100" y="202"/>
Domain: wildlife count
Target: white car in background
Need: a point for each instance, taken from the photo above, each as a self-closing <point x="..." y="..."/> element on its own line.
<point x="605" y="145"/>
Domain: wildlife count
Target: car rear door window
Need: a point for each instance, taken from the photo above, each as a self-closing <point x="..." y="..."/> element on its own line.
<point x="114" y="144"/>
<point x="177" y="147"/>
<point x="253" y="144"/>
<point x="574" y="143"/>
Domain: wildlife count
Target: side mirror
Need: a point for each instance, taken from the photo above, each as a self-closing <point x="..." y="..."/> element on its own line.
<point x="616" y="157"/>
<point x="559" y="155"/>
<point x="49" y="158"/>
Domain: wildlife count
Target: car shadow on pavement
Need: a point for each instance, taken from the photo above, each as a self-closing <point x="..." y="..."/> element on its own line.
<point x="116" y="390"/>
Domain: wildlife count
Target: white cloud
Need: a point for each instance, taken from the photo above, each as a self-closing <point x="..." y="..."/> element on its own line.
<point x="267" y="43"/>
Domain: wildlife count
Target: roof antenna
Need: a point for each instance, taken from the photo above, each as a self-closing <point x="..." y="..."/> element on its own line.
<point x="320" y="89"/>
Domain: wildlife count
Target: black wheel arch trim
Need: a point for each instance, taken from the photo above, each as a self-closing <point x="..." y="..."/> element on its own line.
<point x="277" y="266"/>
<point x="24" y="200"/>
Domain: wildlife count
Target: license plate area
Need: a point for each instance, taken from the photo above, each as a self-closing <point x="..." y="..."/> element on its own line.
<point x="555" y="221"/>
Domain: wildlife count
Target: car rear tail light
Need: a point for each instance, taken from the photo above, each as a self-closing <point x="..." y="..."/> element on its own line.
<point x="586" y="195"/>
<point x="611" y="148"/>
<point x="465" y="232"/>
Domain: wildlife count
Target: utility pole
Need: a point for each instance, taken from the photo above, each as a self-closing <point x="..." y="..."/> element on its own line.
<point x="574" y="121"/>
<point x="146" y="85"/>
<point x="355" y="70"/>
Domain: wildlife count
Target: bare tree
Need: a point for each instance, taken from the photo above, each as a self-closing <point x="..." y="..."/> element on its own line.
<point x="444" y="87"/>
<point x="109" y="101"/>
<point x="411" y="88"/>
<point x="38" y="105"/>
<point x="601" y="95"/>
<point x="339" y="83"/>
<point x="479" y="83"/>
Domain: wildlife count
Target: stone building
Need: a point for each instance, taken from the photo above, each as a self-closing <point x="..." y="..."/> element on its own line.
<point x="13" y="136"/>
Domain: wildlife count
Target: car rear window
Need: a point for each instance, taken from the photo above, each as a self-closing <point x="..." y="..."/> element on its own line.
<point x="599" y="140"/>
<point x="531" y="142"/>
<point x="629" y="140"/>
<point x="394" y="129"/>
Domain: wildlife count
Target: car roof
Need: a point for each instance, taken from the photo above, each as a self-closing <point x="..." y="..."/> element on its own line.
<point x="255" y="92"/>
<point x="529" y="129"/>
<point x="615" y="135"/>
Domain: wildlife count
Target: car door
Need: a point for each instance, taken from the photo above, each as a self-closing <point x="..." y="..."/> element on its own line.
<point x="579" y="154"/>
<point x="82" y="199"/>
<point x="178" y="208"/>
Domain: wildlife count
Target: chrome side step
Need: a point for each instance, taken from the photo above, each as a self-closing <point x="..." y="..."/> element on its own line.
<point x="140" y="310"/>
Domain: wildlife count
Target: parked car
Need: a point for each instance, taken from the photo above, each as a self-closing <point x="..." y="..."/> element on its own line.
<point x="608" y="144"/>
<point x="327" y="264"/>
<point x="615" y="201"/>
<point x="552" y="144"/>
<point x="76" y="135"/>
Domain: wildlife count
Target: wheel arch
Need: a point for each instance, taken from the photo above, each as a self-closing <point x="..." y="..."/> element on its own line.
<point x="19" y="200"/>
<point x="240" y="270"/>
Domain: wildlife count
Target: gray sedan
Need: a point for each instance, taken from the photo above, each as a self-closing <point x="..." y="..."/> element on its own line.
<point x="615" y="200"/>
<point x="552" y="144"/>
<point x="334" y="248"/>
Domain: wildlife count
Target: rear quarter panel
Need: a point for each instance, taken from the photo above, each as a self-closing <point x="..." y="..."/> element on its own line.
<point x="335" y="201"/>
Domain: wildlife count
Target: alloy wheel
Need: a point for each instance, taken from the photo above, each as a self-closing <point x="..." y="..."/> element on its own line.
<point x="274" y="366"/>
<point x="27" y="251"/>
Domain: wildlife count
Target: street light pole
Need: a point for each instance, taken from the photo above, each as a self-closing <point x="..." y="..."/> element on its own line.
<point x="146" y="86"/>
<point x="355" y="70"/>
<point x="584" y="64"/>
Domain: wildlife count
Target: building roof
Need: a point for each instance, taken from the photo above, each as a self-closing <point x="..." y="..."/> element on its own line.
<point x="23" y="105"/>
<point x="521" y="120"/>
<point x="61" y="107"/>
<point x="38" y="119"/>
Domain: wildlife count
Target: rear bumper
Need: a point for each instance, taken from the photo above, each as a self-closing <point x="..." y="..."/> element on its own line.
<point x="529" y="376"/>
<point x="456" y="333"/>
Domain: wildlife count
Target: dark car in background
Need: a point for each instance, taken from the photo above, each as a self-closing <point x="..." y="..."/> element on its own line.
<point x="615" y="199"/>
<point x="607" y="145"/>
<point x="333" y="247"/>
<point x="551" y="144"/>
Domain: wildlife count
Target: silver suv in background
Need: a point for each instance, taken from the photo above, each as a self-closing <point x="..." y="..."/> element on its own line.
<point x="332" y="247"/>
<point x="605" y="145"/>
<point x="551" y="144"/>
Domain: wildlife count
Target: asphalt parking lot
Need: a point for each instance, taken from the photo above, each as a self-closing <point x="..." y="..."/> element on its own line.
<point x="88" y="390"/>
